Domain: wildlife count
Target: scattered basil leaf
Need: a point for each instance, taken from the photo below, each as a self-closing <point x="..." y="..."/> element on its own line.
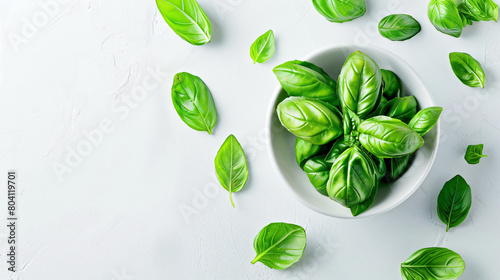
<point x="454" y="202"/>
<point x="467" y="69"/>
<point x="425" y="120"/>
<point x="305" y="150"/>
<point x="301" y="78"/>
<point x="359" y="84"/>
<point x="445" y="17"/>
<point x="352" y="177"/>
<point x="478" y="10"/>
<point x="318" y="170"/>
<point x="401" y="108"/>
<point x="193" y="102"/>
<point x="433" y="263"/>
<point x="263" y="48"/>
<point x="474" y="154"/>
<point x="187" y="19"/>
<point x="279" y="245"/>
<point x="231" y="166"/>
<point x="392" y="84"/>
<point x="398" y="27"/>
<point x="340" y="10"/>
<point x="386" y="137"/>
<point x="337" y="149"/>
<point x="363" y="206"/>
<point x="310" y="119"/>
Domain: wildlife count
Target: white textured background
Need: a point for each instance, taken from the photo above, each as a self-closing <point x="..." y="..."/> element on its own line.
<point x="116" y="212"/>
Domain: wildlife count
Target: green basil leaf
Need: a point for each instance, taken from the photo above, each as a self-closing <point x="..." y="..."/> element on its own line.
<point x="301" y="78"/>
<point x="279" y="245"/>
<point x="386" y="137"/>
<point x="318" y="170"/>
<point x="380" y="167"/>
<point x="337" y="149"/>
<point x="479" y="10"/>
<point x="231" y="166"/>
<point x="425" y="120"/>
<point x="433" y="263"/>
<point x="263" y="48"/>
<point x="467" y="69"/>
<point x="398" y="27"/>
<point x="396" y="167"/>
<point x="401" y="108"/>
<point x="359" y="84"/>
<point x="445" y="17"/>
<point x="340" y="10"/>
<point x="310" y="119"/>
<point x="305" y="150"/>
<point x="392" y="84"/>
<point x="474" y="154"/>
<point x="454" y="202"/>
<point x="187" y="19"/>
<point x="193" y="102"/>
<point x="352" y="177"/>
<point x="363" y="206"/>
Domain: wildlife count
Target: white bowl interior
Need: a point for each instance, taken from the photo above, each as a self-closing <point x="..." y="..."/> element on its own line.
<point x="281" y="142"/>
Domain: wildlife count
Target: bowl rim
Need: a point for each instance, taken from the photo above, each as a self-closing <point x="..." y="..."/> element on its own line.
<point x="271" y="111"/>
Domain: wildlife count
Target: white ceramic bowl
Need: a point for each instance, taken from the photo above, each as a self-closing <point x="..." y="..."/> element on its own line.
<point x="281" y="142"/>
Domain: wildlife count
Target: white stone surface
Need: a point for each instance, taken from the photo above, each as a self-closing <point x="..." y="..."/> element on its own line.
<point x="73" y="68"/>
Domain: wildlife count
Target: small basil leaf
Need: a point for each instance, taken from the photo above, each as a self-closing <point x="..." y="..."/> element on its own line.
<point x="305" y="150"/>
<point x="340" y="10"/>
<point x="401" y="108"/>
<point x="479" y="10"/>
<point x="386" y="137"/>
<point x="301" y="78"/>
<point x="263" y="48"/>
<point x="337" y="149"/>
<point x="380" y="167"/>
<point x="474" y="154"/>
<point x="396" y="167"/>
<point x="363" y="206"/>
<point x="310" y="119"/>
<point x="467" y="69"/>
<point x="193" y="102"/>
<point x="352" y="177"/>
<point x="398" y="27"/>
<point x="392" y="84"/>
<point x="279" y="245"/>
<point x="433" y="263"/>
<point x="445" y="17"/>
<point x="425" y="120"/>
<point x="318" y="170"/>
<point x="359" y="84"/>
<point x="454" y="202"/>
<point x="187" y="19"/>
<point x="231" y="166"/>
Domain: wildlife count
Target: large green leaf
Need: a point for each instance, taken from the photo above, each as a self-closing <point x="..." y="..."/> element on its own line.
<point x="318" y="170"/>
<point x="474" y="153"/>
<point x="398" y="27"/>
<point x="279" y="245"/>
<point x="193" y="102"/>
<point x="434" y="263"/>
<point x="454" y="202"/>
<point x="467" y="69"/>
<point x="263" y="48"/>
<point x="231" y="166"/>
<point x="340" y="10"/>
<point x="425" y="120"/>
<point x="445" y="17"/>
<point x="187" y="19"/>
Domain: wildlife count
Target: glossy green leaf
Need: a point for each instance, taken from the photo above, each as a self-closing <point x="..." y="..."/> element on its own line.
<point x="467" y="69"/>
<point x="386" y="137"/>
<point x="279" y="245"/>
<point x="425" y="120"/>
<point x="193" y="102"/>
<point x="310" y="119"/>
<point x="263" y="48"/>
<point x="434" y="263"/>
<point x="187" y="19"/>
<point x="340" y="10"/>
<point x="318" y="170"/>
<point x="336" y="150"/>
<point x="359" y="84"/>
<point x="301" y="78"/>
<point x="454" y="202"/>
<point x="398" y="27"/>
<point x="401" y="108"/>
<point x="478" y="10"/>
<point x="305" y="150"/>
<point x="365" y="205"/>
<point x="396" y="167"/>
<point x="231" y="166"/>
<point x="380" y="167"/>
<point x="445" y="17"/>
<point x="474" y="154"/>
<point x="392" y="84"/>
<point x="352" y="177"/>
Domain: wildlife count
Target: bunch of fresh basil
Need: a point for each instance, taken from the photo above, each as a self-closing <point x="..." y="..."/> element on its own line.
<point x="353" y="134"/>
